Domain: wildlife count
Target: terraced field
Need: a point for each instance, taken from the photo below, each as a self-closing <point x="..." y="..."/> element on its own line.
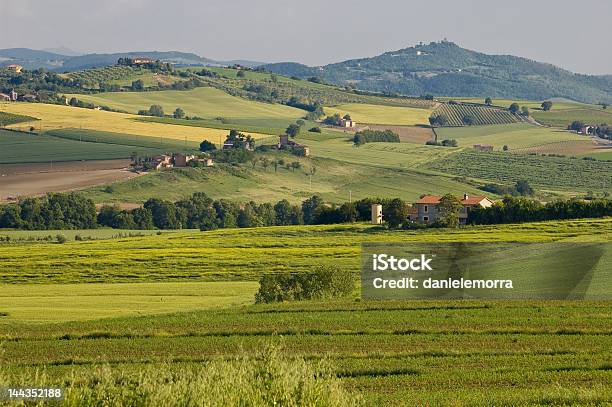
<point x="481" y="115"/>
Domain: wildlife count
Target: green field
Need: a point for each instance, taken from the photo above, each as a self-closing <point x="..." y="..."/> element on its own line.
<point x="572" y="175"/>
<point x="462" y="352"/>
<point x="357" y="175"/>
<point x="243" y="254"/>
<point x="160" y="144"/>
<point x="20" y="147"/>
<point x="76" y="302"/>
<point x="208" y="103"/>
<point x="516" y="136"/>
<point x="377" y="114"/>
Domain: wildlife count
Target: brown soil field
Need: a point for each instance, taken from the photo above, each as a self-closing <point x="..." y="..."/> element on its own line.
<point x="408" y="134"/>
<point x="22" y="180"/>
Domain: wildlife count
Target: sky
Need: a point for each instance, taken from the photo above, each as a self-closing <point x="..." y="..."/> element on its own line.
<point x="570" y="34"/>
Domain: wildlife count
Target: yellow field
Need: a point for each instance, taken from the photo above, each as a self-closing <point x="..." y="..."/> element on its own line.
<point x="376" y="114"/>
<point x="58" y="117"/>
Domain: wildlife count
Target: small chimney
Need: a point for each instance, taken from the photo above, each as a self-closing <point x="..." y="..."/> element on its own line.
<point x="465" y="196"/>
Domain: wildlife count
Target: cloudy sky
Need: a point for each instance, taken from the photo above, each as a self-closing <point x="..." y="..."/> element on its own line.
<point x="571" y="34"/>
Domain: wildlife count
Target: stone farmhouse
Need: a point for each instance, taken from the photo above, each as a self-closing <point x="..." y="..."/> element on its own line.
<point x="426" y="208"/>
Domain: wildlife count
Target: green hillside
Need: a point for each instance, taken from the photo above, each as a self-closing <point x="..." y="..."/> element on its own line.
<point x="202" y="102"/>
<point x="444" y="68"/>
<point x="461" y="115"/>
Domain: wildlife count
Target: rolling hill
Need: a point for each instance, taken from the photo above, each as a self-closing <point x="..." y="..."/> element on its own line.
<point x="444" y="68"/>
<point x="33" y="59"/>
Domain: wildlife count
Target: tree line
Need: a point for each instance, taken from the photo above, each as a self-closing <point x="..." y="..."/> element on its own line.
<point x="73" y="211"/>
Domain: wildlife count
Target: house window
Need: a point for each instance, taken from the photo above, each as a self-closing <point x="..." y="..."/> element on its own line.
<point x="426" y="209"/>
<point x="425" y="219"/>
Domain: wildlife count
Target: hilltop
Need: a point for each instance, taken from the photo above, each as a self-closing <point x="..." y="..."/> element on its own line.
<point x="444" y="68"/>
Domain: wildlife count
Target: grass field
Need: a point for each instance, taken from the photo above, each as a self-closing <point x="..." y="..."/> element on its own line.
<point x="74" y="302"/>
<point x="573" y="175"/>
<point x="6" y="119"/>
<point x="463" y="352"/>
<point x="203" y="102"/>
<point x="20" y="147"/>
<point x="244" y="254"/>
<point x="357" y="175"/>
<point x="54" y="117"/>
<point x="518" y="136"/>
<point x="377" y="114"/>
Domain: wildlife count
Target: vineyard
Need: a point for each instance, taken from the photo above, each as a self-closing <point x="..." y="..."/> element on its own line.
<point x="459" y="114"/>
<point x="552" y="173"/>
<point x="93" y="77"/>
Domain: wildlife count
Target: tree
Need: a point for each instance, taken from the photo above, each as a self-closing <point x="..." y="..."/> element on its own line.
<point x="438" y="120"/>
<point x="293" y="130"/>
<point x="283" y="212"/>
<point x="546" y="105"/>
<point x="604" y="105"/>
<point x="396" y="213"/>
<point x="505" y="148"/>
<point x="514" y="108"/>
<point x="138" y="85"/>
<point x="156" y="110"/>
<point x="523" y="188"/>
<point x="468" y="120"/>
<point x="359" y="139"/>
<point x="576" y="125"/>
<point x="347" y="117"/>
<point x="74" y="102"/>
<point x="240" y="74"/>
<point x="448" y="210"/>
<point x="207" y="146"/>
<point x="525" y="111"/>
<point x="178" y="113"/>
<point x="488" y="101"/>
<point x="311" y="207"/>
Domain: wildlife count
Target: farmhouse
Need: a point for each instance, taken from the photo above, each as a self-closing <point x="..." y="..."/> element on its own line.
<point x="588" y="129"/>
<point x="285" y="143"/>
<point x="348" y="123"/>
<point x="483" y="147"/>
<point x="10" y="97"/>
<point x="207" y="162"/>
<point x="181" y="160"/>
<point x="161" y="161"/>
<point x="427" y="208"/>
<point x="15" y="68"/>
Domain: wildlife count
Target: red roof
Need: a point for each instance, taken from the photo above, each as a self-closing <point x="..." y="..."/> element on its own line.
<point x="429" y="199"/>
<point x="473" y="200"/>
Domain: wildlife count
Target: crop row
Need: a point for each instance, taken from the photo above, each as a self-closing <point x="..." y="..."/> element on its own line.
<point x="105" y="74"/>
<point x="479" y="115"/>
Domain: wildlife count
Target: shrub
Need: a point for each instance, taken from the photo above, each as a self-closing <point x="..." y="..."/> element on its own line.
<point x="263" y="379"/>
<point x="315" y="130"/>
<point x="322" y="282"/>
<point x="61" y="239"/>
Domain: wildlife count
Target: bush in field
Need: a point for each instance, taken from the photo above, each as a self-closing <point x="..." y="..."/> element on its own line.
<point x="265" y="379"/>
<point x="323" y="282"/>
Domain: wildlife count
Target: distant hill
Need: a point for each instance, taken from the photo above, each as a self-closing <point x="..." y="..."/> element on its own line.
<point x="33" y="59"/>
<point x="445" y="69"/>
